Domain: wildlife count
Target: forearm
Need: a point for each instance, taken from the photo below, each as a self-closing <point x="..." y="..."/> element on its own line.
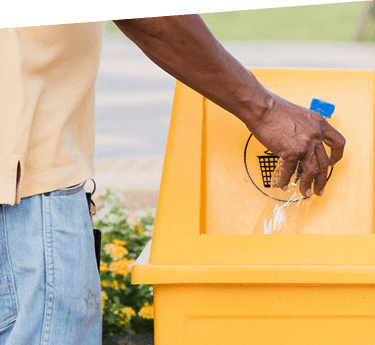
<point x="185" y="48"/>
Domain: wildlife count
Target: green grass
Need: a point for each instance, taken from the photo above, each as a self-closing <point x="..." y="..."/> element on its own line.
<point x="329" y="22"/>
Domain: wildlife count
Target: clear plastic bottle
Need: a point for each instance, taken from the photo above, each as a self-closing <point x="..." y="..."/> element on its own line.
<point x="284" y="212"/>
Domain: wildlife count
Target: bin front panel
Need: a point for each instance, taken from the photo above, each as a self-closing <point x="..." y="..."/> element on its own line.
<point x="264" y="314"/>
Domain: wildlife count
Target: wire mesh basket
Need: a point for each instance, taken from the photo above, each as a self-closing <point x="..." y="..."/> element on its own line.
<point x="267" y="166"/>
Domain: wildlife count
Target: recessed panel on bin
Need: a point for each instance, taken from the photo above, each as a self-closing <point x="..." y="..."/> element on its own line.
<point x="234" y="198"/>
<point x="208" y="205"/>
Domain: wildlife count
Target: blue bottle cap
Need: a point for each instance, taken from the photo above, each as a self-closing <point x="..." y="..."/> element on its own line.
<point x="324" y="108"/>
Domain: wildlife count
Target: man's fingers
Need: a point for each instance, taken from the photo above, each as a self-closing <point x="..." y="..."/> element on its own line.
<point x="310" y="168"/>
<point x="336" y="155"/>
<point x="287" y="172"/>
<point x="323" y="162"/>
<point x="336" y="142"/>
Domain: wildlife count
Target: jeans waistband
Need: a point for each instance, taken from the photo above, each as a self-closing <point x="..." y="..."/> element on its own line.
<point x="66" y="191"/>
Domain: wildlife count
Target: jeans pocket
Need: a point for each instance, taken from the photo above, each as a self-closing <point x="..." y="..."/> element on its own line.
<point x="8" y="301"/>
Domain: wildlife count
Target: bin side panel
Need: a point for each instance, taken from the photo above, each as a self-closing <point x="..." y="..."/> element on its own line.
<point x="264" y="314"/>
<point x="178" y="216"/>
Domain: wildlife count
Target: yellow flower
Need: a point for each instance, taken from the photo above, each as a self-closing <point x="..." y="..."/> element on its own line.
<point x="121" y="267"/>
<point x="104" y="283"/>
<point x="118" y="285"/>
<point x="125" y="315"/>
<point x="128" y="311"/>
<point x="104" y="298"/>
<point x="147" y="311"/>
<point x="119" y="242"/>
<point x="104" y="267"/>
<point x="118" y="252"/>
<point x="139" y="229"/>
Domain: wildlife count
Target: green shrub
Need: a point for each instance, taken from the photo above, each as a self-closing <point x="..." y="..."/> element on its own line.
<point x="126" y="308"/>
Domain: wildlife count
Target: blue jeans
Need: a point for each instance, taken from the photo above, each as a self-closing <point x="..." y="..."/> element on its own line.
<point x="49" y="281"/>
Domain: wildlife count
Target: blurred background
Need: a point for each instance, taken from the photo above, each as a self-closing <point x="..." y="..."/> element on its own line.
<point x="134" y="96"/>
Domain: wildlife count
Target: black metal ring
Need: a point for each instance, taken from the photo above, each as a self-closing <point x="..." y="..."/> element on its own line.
<point x="92" y="193"/>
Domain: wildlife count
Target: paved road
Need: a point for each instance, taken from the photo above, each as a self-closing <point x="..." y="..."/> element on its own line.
<point x="134" y="101"/>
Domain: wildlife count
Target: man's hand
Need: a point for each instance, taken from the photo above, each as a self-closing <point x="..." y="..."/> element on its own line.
<point x="297" y="134"/>
<point x="185" y="48"/>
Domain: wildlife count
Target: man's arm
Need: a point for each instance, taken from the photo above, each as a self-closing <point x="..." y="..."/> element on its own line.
<point x="185" y="48"/>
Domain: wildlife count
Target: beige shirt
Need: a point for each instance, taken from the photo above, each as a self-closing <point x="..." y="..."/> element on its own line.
<point x="47" y="91"/>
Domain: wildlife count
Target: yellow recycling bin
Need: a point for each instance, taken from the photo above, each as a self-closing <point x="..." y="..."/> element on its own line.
<point x="215" y="282"/>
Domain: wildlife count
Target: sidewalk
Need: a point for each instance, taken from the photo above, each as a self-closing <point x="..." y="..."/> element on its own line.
<point x="304" y="55"/>
<point x="128" y="339"/>
<point x="136" y="178"/>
